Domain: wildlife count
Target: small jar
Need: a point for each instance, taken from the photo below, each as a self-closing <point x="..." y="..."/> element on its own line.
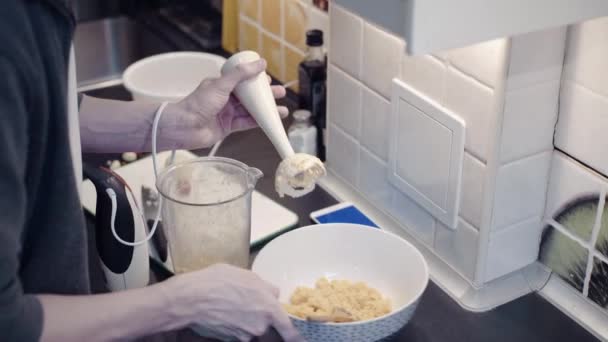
<point x="302" y="135"/>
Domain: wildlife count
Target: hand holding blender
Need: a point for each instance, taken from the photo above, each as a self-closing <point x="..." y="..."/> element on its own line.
<point x="297" y="173"/>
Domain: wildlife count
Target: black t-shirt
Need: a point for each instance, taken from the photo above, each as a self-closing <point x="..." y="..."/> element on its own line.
<point x="42" y="231"/>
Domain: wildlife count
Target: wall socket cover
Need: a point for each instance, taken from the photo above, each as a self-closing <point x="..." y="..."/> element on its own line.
<point x="426" y="151"/>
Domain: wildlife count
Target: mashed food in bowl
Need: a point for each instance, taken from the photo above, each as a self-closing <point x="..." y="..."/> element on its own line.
<point x="338" y="301"/>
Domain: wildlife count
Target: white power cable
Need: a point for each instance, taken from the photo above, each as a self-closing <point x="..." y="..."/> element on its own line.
<point x="112" y="194"/>
<point x="215" y="148"/>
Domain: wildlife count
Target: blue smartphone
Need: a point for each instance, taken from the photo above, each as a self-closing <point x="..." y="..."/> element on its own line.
<point x="342" y="213"/>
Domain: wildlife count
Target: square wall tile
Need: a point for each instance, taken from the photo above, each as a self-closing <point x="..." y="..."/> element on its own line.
<point x="343" y="154"/>
<point x="471" y="195"/>
<point x="566" y="257"/>
<point x="375" y="111"/>
<point x="513" y="248"/>
<point x="417" y="221"/>
<point x="582" y="125"/>
<point x="381" y="59"/>
<point x="521" y="187"/>
<point x="601" y="245"/>
<point x="344" y="96"/>
<point x="346" y="36"/>
<point x="536" y="57"/>
<point x="273" y="53"/>
<point x="426" y="74"/>
<point x="318" y="19"/>
<point x="249" y="8"/>
<point x="373" y="182"/>
<point x="292" y="63"/>
<point x="598" y="284"/>
<point x="295" y="20"/>
<point x="474" y="103"/>
<point x="484" y="61"/>
<point x="586" y="55"/>
<point x="249" y="36"/>
<point x="530" y="115"/>
<point x="458" y="248"/>
<point x="573" y="195"/>
<point x="271" y="16"/>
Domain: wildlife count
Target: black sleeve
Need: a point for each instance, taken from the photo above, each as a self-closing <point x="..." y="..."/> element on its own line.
<point x="21" y="316"/>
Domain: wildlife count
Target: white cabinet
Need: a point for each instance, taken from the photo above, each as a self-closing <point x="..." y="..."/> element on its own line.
<point x="435" y="25"/>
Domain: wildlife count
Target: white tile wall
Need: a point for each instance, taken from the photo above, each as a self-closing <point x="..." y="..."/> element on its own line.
<point x="363" y="61"/>
<point x="318" y="19"/>
<point x="582" y="125"/>
<point x="521" y="187"/>
<point x="425" y="74"/>
<point x="343" y="154"/>
<point x="474" y="102"/>
<point x="375" y="112"/>
<point x="411" y="215"/>
<point x="513" y="248"/>
<point x="530" y="115"/>
<point x="381" y="59"/>
<point x="458" y="247"/>
<point x="471" y="198"/>
<point x="536" y="57"/>
<point x="481" y="61"/>
<point x="346" y="35"/>
<point x="344" y="101"/>
<point x="372" y="179"/>
<point x="568" y="180"/>
<point x="586" y="55"/>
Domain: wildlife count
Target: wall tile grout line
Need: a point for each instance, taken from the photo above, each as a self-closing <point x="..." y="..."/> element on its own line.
<point x="370" y="152"/>
<point x="510" y="225"/>
<point x="270" y="34"/>
<point x="575" y="238"/>
<point x="283" y="40"/>
<point x="526" y="157"/>
<point x="469" y="76"/>
<point x="585" y="88"/>
<point x="460" y="217"/>
<point x="568" y="233"/>
<point x="594" y="235"/>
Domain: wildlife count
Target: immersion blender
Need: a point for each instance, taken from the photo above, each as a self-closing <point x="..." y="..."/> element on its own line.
<point x="256" y="95"/>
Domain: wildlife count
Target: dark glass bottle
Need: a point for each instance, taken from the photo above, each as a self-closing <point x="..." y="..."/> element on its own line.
<point x="312" y="75"/>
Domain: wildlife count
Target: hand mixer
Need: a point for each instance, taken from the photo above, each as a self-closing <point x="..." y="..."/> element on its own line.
<point x="297" y="173"/>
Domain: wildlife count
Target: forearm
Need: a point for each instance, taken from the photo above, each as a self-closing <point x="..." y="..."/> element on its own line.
<point x="108" y="317"/>
<point x="119" y="126"/>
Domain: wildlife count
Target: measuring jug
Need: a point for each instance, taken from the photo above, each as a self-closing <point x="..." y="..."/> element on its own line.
<point x="207" y="212"/>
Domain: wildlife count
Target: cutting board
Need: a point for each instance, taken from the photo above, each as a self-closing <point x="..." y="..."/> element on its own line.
<point x="268" y="218"/>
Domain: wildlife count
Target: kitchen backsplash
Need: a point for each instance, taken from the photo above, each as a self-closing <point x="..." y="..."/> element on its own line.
<point x="277" y="30"/>
<point x="512" y="95"/>
<point x="575" y="239"/>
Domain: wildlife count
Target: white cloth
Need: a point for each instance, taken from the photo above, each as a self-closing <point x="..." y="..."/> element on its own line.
<point x="73" y="122"/>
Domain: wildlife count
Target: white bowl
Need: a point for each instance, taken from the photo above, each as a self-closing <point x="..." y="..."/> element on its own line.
<point x="353" y="252"/>
<point x="170" y="76"/>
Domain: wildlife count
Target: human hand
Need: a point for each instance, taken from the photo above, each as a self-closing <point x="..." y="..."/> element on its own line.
<point x="211" y="112"/>
<point x="230" y="302"/>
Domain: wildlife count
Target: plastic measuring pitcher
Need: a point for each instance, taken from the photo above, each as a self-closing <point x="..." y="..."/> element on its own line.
<point x="207" y="212"/>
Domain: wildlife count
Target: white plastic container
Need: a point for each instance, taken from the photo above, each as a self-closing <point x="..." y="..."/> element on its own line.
<point x="302" y="135"/>
<point x="170" y="76"/>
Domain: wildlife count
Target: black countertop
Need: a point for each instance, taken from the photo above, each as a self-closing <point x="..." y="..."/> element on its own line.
<point x="438" y="317"/>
